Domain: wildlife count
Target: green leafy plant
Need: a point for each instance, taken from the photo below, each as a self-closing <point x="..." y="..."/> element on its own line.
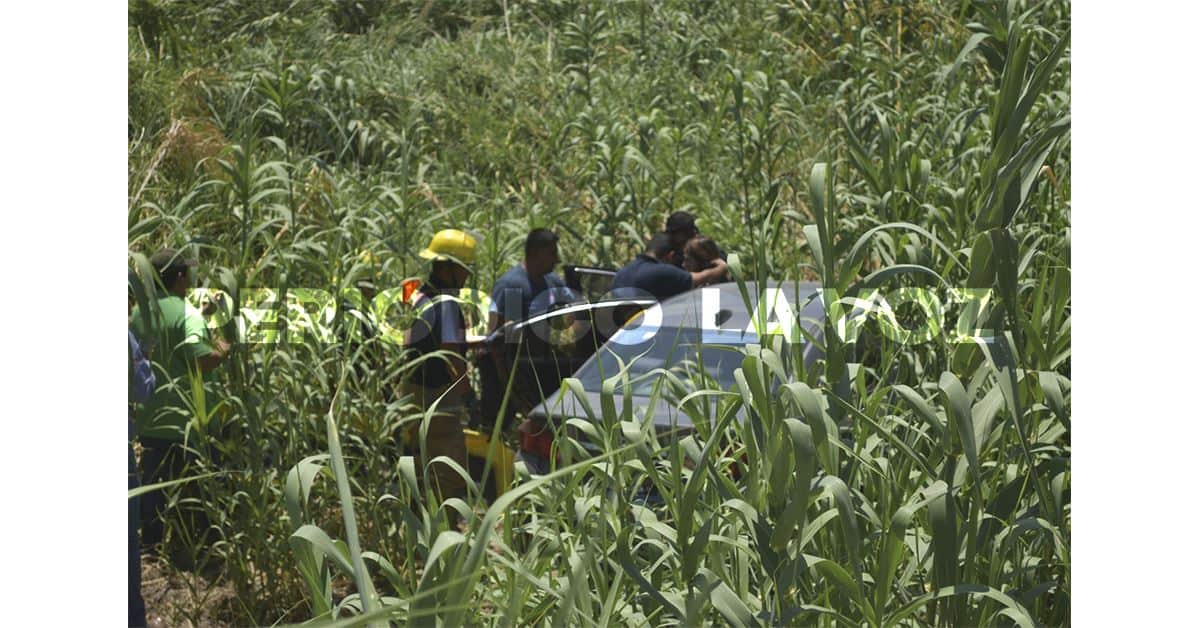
<point x="871" y="147"/>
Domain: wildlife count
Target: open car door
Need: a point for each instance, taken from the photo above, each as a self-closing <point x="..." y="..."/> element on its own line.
<point x="591" y="283"/>
<point x="539" y="353"/>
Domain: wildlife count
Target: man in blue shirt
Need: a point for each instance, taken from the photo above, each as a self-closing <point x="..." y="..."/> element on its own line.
<point x="531" y="287"/>
<point x="141" y="386"/>
<point x="654" y="273"/>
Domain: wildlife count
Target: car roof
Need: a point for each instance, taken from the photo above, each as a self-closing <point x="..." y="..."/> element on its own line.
<point x="685" y="310"/>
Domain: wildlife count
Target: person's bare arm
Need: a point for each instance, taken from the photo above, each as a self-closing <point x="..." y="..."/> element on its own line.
<point x="710" y="274"/>
<point x="213" y="360"/>
<point x="494" y="322"/>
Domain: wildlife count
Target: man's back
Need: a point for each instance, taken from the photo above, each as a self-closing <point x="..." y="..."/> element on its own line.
<point x="647" y="275"/>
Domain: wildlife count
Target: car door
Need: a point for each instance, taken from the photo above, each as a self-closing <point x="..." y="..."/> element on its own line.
<point x="539" y="353"/>
<point x="592" y="283"/>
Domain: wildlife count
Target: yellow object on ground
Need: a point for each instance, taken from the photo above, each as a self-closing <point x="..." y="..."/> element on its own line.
<point x="445" y="425"/>
<point x="478" y="445"/>
<point x="444" y="436"/>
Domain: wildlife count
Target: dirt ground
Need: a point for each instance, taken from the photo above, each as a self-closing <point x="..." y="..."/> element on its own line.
<point x="178" y="598"/>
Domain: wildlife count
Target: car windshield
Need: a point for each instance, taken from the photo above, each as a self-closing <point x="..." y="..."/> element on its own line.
<point x="685" y="352"/>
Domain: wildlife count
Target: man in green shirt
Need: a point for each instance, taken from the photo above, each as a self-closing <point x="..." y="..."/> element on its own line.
<point x="176" y="339"/>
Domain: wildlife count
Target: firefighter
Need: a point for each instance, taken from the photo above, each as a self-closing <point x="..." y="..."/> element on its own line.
<point x="438" y="337"/>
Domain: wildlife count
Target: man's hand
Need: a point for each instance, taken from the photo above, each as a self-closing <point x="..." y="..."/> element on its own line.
<point x="218" y="355"/>
<point x="711" y="274"/>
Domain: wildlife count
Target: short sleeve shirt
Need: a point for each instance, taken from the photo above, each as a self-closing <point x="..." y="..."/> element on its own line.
<point x="440" y="322"/>
<point x="517" y="296"/>
<point x="646" y="275"/>
<point x="174" y="339"/>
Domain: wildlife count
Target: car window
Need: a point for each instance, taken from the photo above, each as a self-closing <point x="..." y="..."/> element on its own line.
<point x="591" y="283"/>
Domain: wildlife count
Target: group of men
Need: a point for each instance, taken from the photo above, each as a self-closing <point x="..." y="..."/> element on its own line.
<point x="175" y="337"/>
<point x="672" y="262"/>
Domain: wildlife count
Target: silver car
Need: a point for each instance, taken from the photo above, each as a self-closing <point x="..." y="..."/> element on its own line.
<point x="698" y="336"/>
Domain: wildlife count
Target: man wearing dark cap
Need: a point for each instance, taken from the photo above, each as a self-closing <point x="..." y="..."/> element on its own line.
<point x="176" y="339"/>
<point x="681" y="227"/>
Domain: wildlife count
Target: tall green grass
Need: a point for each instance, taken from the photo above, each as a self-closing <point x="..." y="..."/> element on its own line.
<point x="870" y="148"/>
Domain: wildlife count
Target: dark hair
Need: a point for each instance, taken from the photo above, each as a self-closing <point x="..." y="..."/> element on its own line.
<point x="539" y="240"/>
<point x="169" y="276"/>
<point x="680" y="222"/>
<point x="704" y="248"/>
<point x="659" y="245"/>
<point x="171" y="264"/>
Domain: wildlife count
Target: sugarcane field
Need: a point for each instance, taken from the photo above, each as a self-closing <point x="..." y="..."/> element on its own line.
<point x="599" y="313"/>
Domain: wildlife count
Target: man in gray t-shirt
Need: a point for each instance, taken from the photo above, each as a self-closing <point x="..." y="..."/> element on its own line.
<point x="531" y="287"/>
